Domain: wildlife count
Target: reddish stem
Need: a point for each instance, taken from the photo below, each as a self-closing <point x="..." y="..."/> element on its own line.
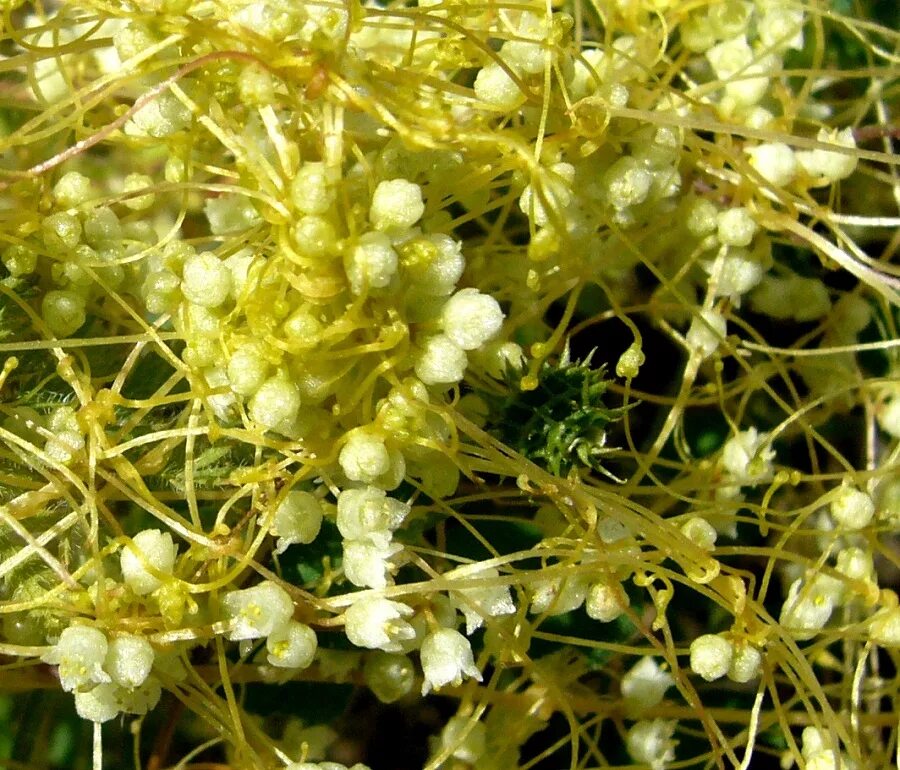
<point x="876" y="131"/>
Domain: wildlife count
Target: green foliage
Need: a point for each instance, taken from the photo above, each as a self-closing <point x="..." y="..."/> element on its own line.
<point x="562" y="422"/>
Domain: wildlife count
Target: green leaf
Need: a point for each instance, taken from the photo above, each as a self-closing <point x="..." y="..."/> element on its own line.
<point x="562" y="422"/>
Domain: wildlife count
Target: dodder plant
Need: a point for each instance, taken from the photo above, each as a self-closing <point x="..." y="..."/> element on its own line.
<point x="300" y="414"/>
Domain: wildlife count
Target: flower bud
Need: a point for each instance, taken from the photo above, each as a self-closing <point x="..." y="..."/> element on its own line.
<point x="711" y="656"/>
<point x="151" y="551"/>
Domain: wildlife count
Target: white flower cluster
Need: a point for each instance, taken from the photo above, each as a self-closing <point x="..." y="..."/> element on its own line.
<point x="107" y="676"/>
<point x="496" y="83"/>
<point x="445" y="654"/>
<point x="390" y="278"/>
<point x="743" y="44"/>
<point x="602" y="594"/>
<point x="266" y="610"/>
<point x="813" y="597"/>
<point x="84" y="242"/>
<point x="570" y="197"/>
<point x="740" y="259"/>
<point x="604" y="599"/>
<point x="850" y="584"/>
<point x="779" y="165"/>
<point x="367" y="518"/>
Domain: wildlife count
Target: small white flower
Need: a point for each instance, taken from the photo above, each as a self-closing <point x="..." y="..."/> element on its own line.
<point x="253" y="613"/>
<point x="311" y="189"/>
<point x="781" y="26"/>
<point x="439" y="276"/>
<point x="885" y="628"/>
<point x="99" y="704"/>
<point x="852" y="508"/>
<point x="813" y="741"/>
<point x="554" y="196"/>
<point x="247" y="369"/>
<point x="129" y="660"/>
<point x="371" y="264"/>
<point x="706" y="332"/>
<point x="292" y="646"/>
<point x="471" y="318"/>
<point x="298" y="519"/>
<point x="775" y="162"/>
<point x="734" y="273"/>
<point x="80" y="653"/>
<point x="606" y="601"/>
<point x="735" y="227"/>
<point x="559" y="595"/>
<point x="645" y="684"/>
<point x="366" y="458"/>
<point x="481" y="602"/>
<point x="627" y="183"/>
<point x="367" y="563"/>
<point x="396" y="205"/>
<point x="276" y="404"/>
<point x="139" y="700"/>
<point x="700" y="532"/>
<point x="856" y="564"/>
<point x="827" y="165"/>
<point x="441" y="361"/>
<point x="378" y="624"/>
<point x="446" y="657"/>
<point x="650" y="742"/>
<point x="206" y="280"/>
<point x="748" y="457"/>
<point x="807" y="608"/>
<point x="150" y="549"/>
<point x="745" y="663"/>
<point x="888" y="415"/>
<point x="496" y="89"/>
<point x="363" y="512"/>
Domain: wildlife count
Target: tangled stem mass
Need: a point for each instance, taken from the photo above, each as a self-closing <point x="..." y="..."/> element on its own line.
<point x="530" y="367"/>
